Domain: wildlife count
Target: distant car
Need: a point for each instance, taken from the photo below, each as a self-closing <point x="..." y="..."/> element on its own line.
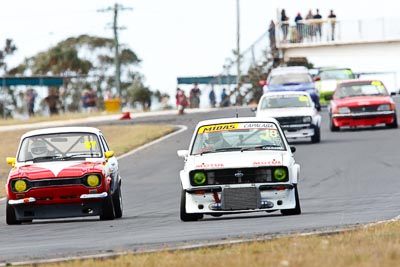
<point x="63" y="172"/>
<point x="361" y="103"/>
<point x="295" y="112"/>
<point x="293" y="78"/>
<point x="238" y="165"/>
<point x="326" y="80"/>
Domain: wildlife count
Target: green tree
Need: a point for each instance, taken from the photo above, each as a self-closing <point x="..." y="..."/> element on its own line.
<point x="138" y="93"/>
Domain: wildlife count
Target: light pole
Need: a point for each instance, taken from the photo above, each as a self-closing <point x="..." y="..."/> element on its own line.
<point x="238" y="48"/>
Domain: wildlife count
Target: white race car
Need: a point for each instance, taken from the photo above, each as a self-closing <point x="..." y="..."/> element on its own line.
<point x="238" y="165"/>
<point x="295" y="112"/>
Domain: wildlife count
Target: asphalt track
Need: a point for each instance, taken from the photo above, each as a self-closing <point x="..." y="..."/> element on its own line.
<point x="350" y="178"/>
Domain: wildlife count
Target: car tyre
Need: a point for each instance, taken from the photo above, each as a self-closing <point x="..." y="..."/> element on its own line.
<point x="394" y="124"/>
<point x="188" y="217"/>
<point x="11" y="218"/>
<point x="316" y="138"/>
<point x="117" y="201"/>
<point x="297" y="208"/>
<point x="108" y="208"/>
<point x="332" y="126"/>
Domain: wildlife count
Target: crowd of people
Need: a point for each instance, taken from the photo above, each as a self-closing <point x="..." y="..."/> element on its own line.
<point x="193" y="100"/>
<point x="307" y="28"/>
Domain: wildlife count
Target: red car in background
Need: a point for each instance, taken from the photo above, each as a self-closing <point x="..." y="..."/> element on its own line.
<point x="361" y="103"/>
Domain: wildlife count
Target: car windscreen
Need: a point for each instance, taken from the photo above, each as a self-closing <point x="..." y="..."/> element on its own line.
<point x="290" y="78"/>
<point x="237" y="137"/>
<point x="60" y="146"/>
<point x="286" y="101"/>
<point x="336" y="74"/>
<point x="374" y="88"/>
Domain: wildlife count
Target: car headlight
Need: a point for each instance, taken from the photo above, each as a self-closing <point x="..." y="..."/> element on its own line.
<point x="92" y="180"/>
<point x="385" y="107"/>
<point x="280" y="174"/>
<point x="19" y="185"/>
<point x="343" y="110"/>
<point x="199" y="178"/>
<point x="307" y="119"/>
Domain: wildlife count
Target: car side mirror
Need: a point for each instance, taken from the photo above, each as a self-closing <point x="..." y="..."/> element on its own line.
<point x="316" y="79"/>
<point x="10" y="161"/>
<point x="183" y="153"/>
<point x="109" y="154"/>
<point x="293" y="149"/>
<point x="254" y="109"/>
<point x="393" y="93"/>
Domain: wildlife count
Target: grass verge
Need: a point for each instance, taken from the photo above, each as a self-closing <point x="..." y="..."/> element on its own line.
<point x="372" y="246"/>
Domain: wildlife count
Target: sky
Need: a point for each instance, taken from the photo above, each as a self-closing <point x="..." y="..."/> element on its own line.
<point x="174" y="38"/>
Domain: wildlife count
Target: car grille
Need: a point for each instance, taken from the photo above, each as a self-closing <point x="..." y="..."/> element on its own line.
<point x="290" y="120"/>
<point x="240" y="198"/>
<point x="240" y="176"/>
<point x="56" y="182"/>
<point x="362" y="109"/>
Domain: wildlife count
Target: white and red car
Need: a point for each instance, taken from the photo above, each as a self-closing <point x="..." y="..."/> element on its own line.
<point x="63" y="172"/>
<point x="238" y="165"/>
<point x="295" y="111"/>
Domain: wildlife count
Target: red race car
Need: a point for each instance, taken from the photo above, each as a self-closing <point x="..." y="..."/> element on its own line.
<point x="63" y="172"/>
<point x="361" y="103"/>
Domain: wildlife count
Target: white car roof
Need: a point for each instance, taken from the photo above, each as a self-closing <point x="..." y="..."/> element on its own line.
<point x="233" y="120"/>
<point x="283" y="93"/>
<point x="292" y="69"/>
<point x="62" y="130"/>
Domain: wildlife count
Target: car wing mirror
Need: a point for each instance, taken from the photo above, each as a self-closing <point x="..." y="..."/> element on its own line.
<point x="10" y="161"/>
<point x="254" y="109"/>
<point x="183" y="153"/>
<point x="316" y="79"/>
<point x="293" y="149"/>
<point x="109" y="154"/>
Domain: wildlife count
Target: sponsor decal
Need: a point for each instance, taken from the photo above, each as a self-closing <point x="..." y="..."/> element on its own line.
<point x="303" y="98"/>
<point x="209" y="165"/>
<point x="259" y="126"/>
<point x="217" y="128"/>
<point x="267" y="162"/>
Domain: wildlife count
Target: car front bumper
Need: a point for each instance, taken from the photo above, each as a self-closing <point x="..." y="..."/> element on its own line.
<point x="241" y="199"/>
<point x="363" y="119"/>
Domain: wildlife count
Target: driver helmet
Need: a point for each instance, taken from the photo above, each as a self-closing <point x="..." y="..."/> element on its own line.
<point x="215" y="137"/>
<point x="38" y="147"/>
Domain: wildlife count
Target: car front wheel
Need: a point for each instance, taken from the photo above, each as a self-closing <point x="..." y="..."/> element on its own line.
<point x="188" y="217"/>
<point x="297" y="208"/>
<point x="11" y="218"/>
<point x="117" y="201"/>
<point x="108" y="208"/>
<point x="332" y="126"/>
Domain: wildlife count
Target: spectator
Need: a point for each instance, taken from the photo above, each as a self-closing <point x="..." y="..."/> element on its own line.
<point x="332" y="18"/>
<point x="92" y="101"/>
<point x="53" y="101"/>
<point x="181" y="101"/>
<point x="318" y="25"/>
<point x="224" y="99"/>
<point x="310" y="30"/>
<point x="271" y="31"/>
<point x="211" y="96"/>
<point x="299" y="27"/>
<point x="194" y="97"/>
<point x="284" y="24"/>
<point x="30" y="101"/>
<point x="85" y="100"/>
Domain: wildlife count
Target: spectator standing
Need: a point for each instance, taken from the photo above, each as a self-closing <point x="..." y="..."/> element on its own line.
<point x="30" y="101"/>
<point x="284" y="24"/>
<point x="224" y="99"/>
<point x="299" y="27"/>
<point x="271" y="34"/>
<point x="92" y="101"/>
<point x="85" y="100"/>
<point x="310" y="31"/>
<point x="332" y="18"/>
<point x="318" y="25"/>
<point x="181" y="101"/>
<point x="53" y="101"/>
<point x="211" y="96"/>
<point x="194" y="96"/>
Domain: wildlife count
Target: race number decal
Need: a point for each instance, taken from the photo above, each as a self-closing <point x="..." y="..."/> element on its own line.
<point x="90" y="144"/>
